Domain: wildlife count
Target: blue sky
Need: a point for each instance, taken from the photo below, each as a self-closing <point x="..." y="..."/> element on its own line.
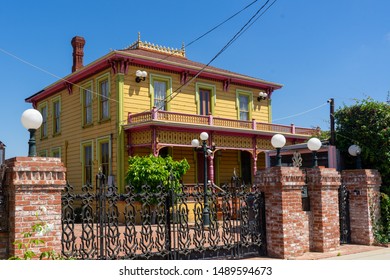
<point x="316" y="49"/>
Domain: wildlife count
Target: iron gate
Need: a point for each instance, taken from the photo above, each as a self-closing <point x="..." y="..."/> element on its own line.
<point x="102" y="224"/>
<point x="345" y="229"/>
<point x="3" y="201"/>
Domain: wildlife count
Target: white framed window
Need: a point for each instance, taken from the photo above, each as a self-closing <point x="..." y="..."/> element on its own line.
<point x="160" y="91"/>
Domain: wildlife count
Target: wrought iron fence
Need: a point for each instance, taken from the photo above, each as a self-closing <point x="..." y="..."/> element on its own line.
<point x="3" y="201"/>
<point x="100" y="223"/>
<point x="345" y="228"/>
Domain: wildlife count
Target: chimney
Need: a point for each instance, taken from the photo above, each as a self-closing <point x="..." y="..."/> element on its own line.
<point x="78" y="52"/>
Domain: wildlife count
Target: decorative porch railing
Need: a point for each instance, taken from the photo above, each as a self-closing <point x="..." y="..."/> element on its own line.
<point x="210" y="120"/>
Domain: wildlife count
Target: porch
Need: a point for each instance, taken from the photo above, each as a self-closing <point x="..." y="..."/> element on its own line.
<point x="239" y="145"/>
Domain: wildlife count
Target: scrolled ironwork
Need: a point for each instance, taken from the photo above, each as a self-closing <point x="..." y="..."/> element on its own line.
<point x="3" y="201"/>
<point x="153" y="223"/>
<point x="344" y="218"/>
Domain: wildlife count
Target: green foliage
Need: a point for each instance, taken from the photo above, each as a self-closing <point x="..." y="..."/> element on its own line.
<point x="323" y="135"/>
<point x="155" y="171"/>
<point x="32" y="239"/>
<point x="382" y="230"/>
<point x="367" y="124"/>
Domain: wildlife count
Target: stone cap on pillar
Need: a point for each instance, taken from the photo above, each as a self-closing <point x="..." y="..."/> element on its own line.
<point x="280" y="177"/>
<point x="323" y="176"/>
<point x="370" y="177"/>
<point x="36" y="171"/>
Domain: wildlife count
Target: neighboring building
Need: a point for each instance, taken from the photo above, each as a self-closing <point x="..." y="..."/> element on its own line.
<point x="2" y="153"/>
<point x="299" y="155"/>
<point x="102" y="113"/>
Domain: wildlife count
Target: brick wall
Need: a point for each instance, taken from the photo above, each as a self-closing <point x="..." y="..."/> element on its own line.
<point x="364" y="203"/>
<point x="286" y="223"/>
<point x="323" y="184"/>
<point x="34" y="186"/>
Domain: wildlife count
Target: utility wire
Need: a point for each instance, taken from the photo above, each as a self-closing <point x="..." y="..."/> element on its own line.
<point x="53" y="75"/>
<point x="302" y="113"/>
<point x="208" y="32"/>
<point x="228" y="44"/>
<point x="96" y="93"/>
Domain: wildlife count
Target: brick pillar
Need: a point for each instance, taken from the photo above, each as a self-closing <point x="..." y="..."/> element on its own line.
<point x="33" y="183"/>
<point x="364" y="203"/>
<point x="323" y="184"/>
<point x="286" y="222"/>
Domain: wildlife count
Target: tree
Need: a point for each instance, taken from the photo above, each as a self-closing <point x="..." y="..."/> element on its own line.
<point x="367" y="124"/>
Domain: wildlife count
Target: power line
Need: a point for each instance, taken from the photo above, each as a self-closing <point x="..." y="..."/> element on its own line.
<point x="243" y="29"/>
<point x="53" y="75"/>
<point x="208" y="32"/>
<point x="302" y="113"/>
<point x="96" y="93"/>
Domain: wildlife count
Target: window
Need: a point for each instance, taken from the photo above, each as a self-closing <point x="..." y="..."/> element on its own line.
<point x="87" y="160"/>
<point x="160" y="91"/>
<point x="42" y="153"/>
<point x="104" y="103"/>
<point x="204" y="102"/>
<point x="103" y="86"/>
<point x="87" y="105"/>
<point x="244" y="104"/>
<point x="43" y="110"/>
<point x="160" y="95"/>
<point x="56" y="152"/>
<point x="205" y="98"/>
<point x="56" y="116"/>
<point x="104" y="155"/>
<point x="244" y="107"/>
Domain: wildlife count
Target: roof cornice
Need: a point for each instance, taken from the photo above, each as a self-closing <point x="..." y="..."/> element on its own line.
<point x="132" y="58"/>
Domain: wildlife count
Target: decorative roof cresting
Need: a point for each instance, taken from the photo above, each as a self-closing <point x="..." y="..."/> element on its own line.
<point x="152" y="47"/>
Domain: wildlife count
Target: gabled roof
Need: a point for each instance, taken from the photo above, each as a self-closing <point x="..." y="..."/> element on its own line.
<point x="157" y="57"/>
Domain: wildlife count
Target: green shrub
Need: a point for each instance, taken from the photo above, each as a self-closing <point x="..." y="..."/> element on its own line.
<point x="154" y="171"/>
<point x="382" y="229"/>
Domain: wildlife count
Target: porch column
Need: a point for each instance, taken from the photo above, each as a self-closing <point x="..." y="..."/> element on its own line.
<point x="323" y="184"/>
<point x="364" y="203"/>
<point x="286" y="222"/>
<point x="211" y="168"/>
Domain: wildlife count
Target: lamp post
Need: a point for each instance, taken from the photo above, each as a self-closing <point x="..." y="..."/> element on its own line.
<point x="314" y="144"/>
<point x="355" y="151"/>
<point x="31" y="120"/>
<point x="278" y="141"/>
<point x="206" y="150"/>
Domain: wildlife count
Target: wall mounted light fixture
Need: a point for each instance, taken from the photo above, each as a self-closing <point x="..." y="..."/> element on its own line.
<point x="140" y="76"/>
<point x="262" y="96"/>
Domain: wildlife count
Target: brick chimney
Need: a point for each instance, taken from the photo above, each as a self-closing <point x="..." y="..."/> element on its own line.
<point x="78" y="52"/>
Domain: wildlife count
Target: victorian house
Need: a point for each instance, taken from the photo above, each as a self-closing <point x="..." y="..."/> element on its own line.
<point x="148" y="99"/>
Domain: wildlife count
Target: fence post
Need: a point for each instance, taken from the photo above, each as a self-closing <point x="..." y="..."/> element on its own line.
<point x="34" y="185"/>
<point x="286" y="222"/>
<point x="323" y="184"/>
<point x="364" y="203"/>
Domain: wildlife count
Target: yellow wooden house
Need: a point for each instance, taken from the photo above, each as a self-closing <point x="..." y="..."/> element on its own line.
<point x="148" y="99"/>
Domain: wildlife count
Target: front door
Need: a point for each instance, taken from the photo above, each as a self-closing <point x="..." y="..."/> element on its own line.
<point x="246" y="167"/>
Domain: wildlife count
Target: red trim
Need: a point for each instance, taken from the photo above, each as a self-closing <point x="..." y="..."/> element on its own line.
<point x="105" y="62"/>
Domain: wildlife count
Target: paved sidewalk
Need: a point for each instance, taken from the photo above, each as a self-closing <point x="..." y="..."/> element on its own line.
<point x="381" y="254"/>
<point x="350" y="252"/>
